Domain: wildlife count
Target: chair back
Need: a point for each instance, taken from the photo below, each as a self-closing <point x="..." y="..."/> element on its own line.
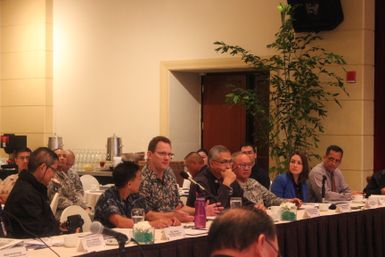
<point x="89" y="182"/>
<point x="73" y="210"/>
<point x="54" y="202"/>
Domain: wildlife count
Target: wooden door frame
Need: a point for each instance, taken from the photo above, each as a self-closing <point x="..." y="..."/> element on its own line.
<point x="196" y="66"/>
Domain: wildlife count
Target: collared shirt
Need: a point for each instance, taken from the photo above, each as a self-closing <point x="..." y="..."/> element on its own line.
<point x="257" y="193"/>
<point x="111" y="203"/>
<point x="343" y="191"/>
<point x="70" y="191"/>
<point x="216" y="191"/>
<point x="161" y="194"/>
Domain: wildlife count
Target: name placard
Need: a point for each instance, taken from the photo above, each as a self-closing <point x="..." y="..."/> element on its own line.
<point x="173" y="233"/>
<point x="345" y="207"/>
<point x="92" y="243"/>
<point x="371" y="203"/>
<point x="13" y="252"/>
<point x="311" y="213"/>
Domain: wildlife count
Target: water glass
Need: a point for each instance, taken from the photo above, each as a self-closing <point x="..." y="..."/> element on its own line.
<point x="137" y="215"/>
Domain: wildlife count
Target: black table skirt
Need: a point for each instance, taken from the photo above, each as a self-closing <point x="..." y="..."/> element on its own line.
<point x="354" y="234"/>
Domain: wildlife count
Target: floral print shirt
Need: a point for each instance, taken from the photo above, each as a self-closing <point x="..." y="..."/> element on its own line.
<point x="161" y="194"/>
<point x="111" y="203"/>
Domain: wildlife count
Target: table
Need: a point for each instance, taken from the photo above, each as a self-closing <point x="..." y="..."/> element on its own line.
<point x="354" y="234"/>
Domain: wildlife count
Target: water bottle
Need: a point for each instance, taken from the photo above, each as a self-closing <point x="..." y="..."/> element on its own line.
<point x="200" y="212"/>
<point x="3" y="230"/>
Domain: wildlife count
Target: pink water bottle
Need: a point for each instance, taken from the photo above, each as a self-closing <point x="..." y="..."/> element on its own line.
<point x="200" y="213"/>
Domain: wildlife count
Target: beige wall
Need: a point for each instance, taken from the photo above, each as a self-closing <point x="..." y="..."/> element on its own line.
<point x="26" y="70"/>
<point x="124" y="67"/>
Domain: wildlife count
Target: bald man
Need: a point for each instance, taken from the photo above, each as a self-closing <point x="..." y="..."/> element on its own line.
<point x="194" y="164"/>
<point x="70" y="188"/>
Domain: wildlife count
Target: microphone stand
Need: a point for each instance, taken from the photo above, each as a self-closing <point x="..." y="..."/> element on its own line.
<point x="323" y="188"/>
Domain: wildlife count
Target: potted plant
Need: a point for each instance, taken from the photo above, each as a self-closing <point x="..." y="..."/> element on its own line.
<point x="301" y="81"/>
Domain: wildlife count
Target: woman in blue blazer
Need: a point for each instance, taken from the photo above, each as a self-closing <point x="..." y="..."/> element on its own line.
<point x="294" y="182"/>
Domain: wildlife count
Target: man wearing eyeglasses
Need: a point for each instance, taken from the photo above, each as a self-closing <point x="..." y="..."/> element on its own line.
<point x="336" y="188"/>
<point x="242" y="232"/>
<point x="159" y="186"/>
<point x="219" y="180"/>
<point x="27" y="207"/>
<point x="253" y="190"/>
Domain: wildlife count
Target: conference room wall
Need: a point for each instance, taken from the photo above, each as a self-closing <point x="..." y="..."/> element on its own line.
<point x="108" y="59"/>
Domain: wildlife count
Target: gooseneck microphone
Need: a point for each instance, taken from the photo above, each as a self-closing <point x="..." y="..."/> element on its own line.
<point x="185" y="175"/>
<point x="98" y="228"/>
<point x="323" y="188"/>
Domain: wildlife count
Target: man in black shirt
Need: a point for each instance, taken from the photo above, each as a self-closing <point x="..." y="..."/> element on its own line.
<point x="218" y="179"/>
<point x="27" y="208"/>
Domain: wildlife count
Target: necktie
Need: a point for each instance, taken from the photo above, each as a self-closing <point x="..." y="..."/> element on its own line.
<point x="333" y="182"/>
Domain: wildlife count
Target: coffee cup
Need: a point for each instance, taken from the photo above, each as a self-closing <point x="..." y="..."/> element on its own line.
<point x="70" y="240"/>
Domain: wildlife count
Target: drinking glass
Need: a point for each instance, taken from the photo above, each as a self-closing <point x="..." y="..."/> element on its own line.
<point x="137" y="215"/>
<point x="235" y="202"/>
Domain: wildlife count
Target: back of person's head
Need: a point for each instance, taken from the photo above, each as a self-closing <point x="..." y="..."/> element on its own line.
<point x="21" y="150"/>
<point x="154" y="142"/>
<point x="334" y="148"/>
<point x="124" y="172"/>
<point x="39" y="156"/>
<point x="194" y="157"/>
<point x="216" y="150"/>
<point x="239" y="228"/>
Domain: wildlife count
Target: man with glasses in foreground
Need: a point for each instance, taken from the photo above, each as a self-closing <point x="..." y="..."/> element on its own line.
<point x="253" y="190"/>
<point x="336" y="188"/>
<point x="27" y="208"/>
<point x="219" y="180"/>
<point x="159" y="186"/>
<point x="241" y="232"/>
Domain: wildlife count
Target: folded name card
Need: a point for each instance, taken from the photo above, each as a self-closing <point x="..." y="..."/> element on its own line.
<point x="345" y="207"/>
<point x="311" y="213"/>
<point x="173" y="233"/>
<point x="92" y="243"/>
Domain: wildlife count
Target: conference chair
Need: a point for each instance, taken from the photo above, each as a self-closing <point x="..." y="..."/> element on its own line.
<point x="74" y="210"/>
<point x="89" y="182"/>
<point x="54" y="203"/>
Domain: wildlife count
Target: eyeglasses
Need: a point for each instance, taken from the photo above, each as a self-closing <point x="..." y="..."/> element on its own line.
<point x="274" y="249"/>
<point x="244" y="166"/>
<point x="224" y="161"/>
<point x="53" y="169"/>
<point x="164" y="154"/>
<point x="331" y="159"/>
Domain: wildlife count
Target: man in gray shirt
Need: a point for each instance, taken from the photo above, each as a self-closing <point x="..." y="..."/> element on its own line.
<point x="336" y="188"/>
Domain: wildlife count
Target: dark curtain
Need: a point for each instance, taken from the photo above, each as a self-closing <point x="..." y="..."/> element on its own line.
<point x="379" y="87"/>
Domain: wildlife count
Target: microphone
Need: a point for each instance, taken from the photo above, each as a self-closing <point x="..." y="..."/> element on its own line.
<point x="323" y="188"/>
<point x="98" y="228"/>
<point x="185" y="175"/>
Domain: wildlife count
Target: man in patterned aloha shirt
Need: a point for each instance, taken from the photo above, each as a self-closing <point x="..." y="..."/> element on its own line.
<point x="66" y="183"/>
<point x="159" y="185"/>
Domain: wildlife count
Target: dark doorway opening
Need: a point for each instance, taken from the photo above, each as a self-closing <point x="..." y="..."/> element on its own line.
<point x="228" y="124"/>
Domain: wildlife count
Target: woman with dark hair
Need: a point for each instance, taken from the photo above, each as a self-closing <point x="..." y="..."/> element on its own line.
<point x="114" y="206"/>
<point x="294" y="182"/>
